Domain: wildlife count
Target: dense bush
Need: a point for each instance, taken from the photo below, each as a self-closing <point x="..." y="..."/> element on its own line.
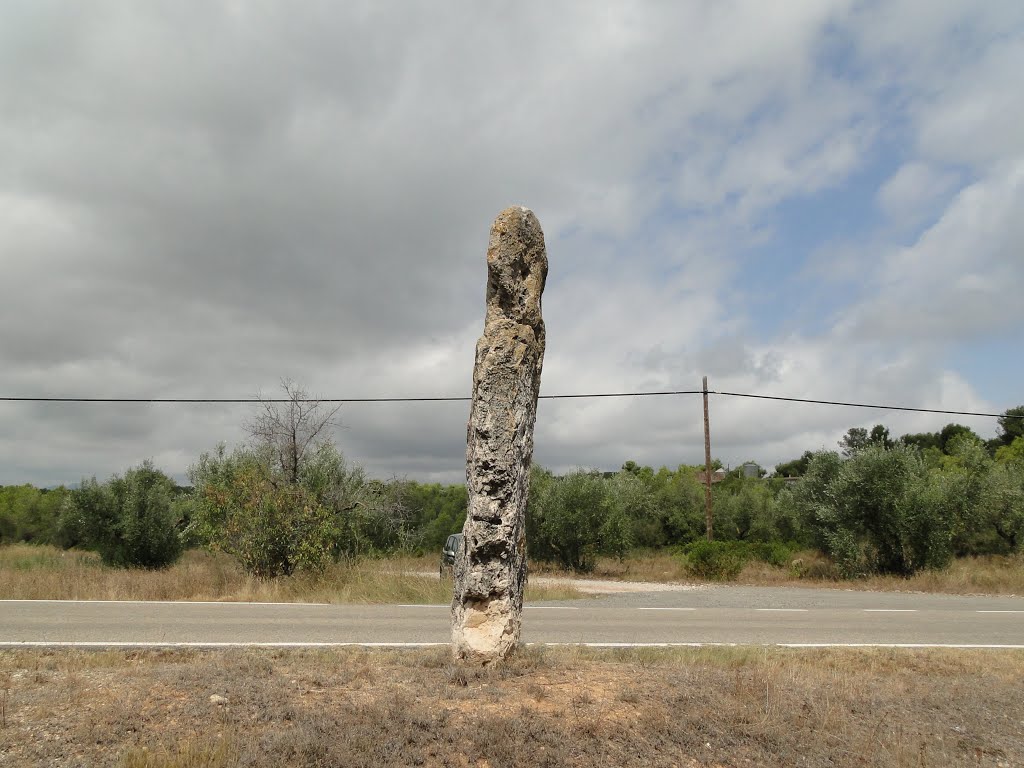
<point x="434" y="512"/>
<point x="723" y="560"/>
<point x="715" y="560"/>
<point x="882" y="510"/>
<point x="568" y="518"/>
<point x="745" y="509"/>
<point x="1002" y="505"/>
<point x="246" y="506"/>
<point x="131" y="521"/>
<point x="29" y="514"/>
<point x="273" y="528"/>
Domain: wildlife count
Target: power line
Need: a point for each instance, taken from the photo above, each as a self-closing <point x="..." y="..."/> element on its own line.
<point x="866" y="405"/>
<point x="572" y="396"/>
<point x="236" y="400"/>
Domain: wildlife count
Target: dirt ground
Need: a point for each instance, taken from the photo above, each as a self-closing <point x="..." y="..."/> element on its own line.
<point x="547" y="707"/>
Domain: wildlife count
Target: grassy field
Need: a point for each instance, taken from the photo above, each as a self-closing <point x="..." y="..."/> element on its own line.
<point x="36" y="573"/>
<point x="548" y="707"/>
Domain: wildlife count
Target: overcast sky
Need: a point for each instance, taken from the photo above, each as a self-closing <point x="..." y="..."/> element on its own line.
<point x="816" y="198"/>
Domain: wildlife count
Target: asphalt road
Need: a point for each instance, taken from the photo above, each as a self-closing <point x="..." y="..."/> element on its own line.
<point x="741" y="615"/>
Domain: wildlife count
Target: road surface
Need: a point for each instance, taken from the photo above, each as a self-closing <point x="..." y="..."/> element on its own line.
<point x="709" y="615"/>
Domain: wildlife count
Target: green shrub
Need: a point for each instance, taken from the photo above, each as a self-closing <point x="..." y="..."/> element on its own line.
<point x="247" y="507"/>
<point x="723" y="560"/>
<point x="884" y="510"/>
<point x="272" y="528"/>
<point x="30" y="514"/>
<point x="715" y="560"/>
<point x="131" y="521"/>
<point x="567" y="516"/>
<point x="772" y="552"/>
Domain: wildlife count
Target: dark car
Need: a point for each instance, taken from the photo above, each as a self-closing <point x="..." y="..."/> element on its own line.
<point x="449" y="551"/>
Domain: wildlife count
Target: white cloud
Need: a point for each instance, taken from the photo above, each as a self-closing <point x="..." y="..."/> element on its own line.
<point x="912" y="193"/>
<point x="962" y="278"/>
<point x="200" y="199"/>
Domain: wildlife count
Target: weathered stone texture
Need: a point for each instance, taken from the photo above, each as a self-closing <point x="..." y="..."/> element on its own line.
<point x="490" y="574"/>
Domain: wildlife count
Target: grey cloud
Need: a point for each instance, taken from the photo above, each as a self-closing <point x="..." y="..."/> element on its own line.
<point x="199" y="198"/>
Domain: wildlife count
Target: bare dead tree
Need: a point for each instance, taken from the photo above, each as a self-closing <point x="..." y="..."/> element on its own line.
<point x="289" y="431"/>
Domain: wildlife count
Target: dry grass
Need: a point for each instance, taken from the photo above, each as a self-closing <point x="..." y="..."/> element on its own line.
<point x="29" y="572"/>
<point x="548" y="707"/>
<point x="989" y="575"/>
<point x="38" y="573"/>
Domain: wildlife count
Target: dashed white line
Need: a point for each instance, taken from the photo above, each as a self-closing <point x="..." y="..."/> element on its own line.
<point x="783" y="610"/>
<point x="552" y="607"/>
<point x="890" y="610"/>
<point x="529" y="607"/>
<point x="666" y="609"/>
<point x="990" y="611"/>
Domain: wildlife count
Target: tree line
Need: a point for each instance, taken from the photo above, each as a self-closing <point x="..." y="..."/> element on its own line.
<point x="288" y="500"/>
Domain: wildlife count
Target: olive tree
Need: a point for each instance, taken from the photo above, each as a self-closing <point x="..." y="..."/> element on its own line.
<point x="132" y="521"/>
<point x="882" y="511"/>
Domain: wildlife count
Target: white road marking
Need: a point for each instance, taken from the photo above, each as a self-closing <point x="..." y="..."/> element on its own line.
<point x="666" y="609"/>
<point x="200" y="644"/>
<point x="999" y="611"/>
<point x="890" y="610"/>
<point x="792" y="645"/>
<point x="552" y="607"/>
<point x="783" y="610"/>
<point x="356" y="644"/>
<point x="531" y="607"/>
<point x="156" y="602"/>
<point x="901" y="645"/>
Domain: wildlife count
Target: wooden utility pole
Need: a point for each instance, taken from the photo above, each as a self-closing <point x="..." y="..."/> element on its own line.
<point x="707" y="464"/>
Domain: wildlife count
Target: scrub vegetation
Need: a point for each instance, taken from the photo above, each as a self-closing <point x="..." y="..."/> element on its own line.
<point x="288" y="513"/>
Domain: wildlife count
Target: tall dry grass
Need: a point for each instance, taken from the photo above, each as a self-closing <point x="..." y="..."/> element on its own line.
<point x="29" y="572"/>
<point x="39" y="573"/>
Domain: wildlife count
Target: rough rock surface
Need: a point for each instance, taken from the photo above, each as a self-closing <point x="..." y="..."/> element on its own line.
<point x="490" y="572"/>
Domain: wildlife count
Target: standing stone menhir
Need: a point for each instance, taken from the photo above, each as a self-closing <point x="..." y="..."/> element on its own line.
<point x="490" y="572"/>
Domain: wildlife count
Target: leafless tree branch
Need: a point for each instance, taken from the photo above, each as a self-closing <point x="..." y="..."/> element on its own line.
<point x="289" y="432"/>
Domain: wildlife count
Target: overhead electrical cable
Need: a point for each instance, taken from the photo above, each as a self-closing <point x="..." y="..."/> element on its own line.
<point x="439" y="399"/>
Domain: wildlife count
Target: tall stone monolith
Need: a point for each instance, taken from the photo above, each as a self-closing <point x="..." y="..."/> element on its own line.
<point x="490" y="572"/>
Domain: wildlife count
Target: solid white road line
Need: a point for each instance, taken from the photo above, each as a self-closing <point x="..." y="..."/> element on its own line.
<point x="902" y="645"/>
<point x="155" y="602"/>
<point x="147" y="644"/>
<point x="199" y="644"/>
